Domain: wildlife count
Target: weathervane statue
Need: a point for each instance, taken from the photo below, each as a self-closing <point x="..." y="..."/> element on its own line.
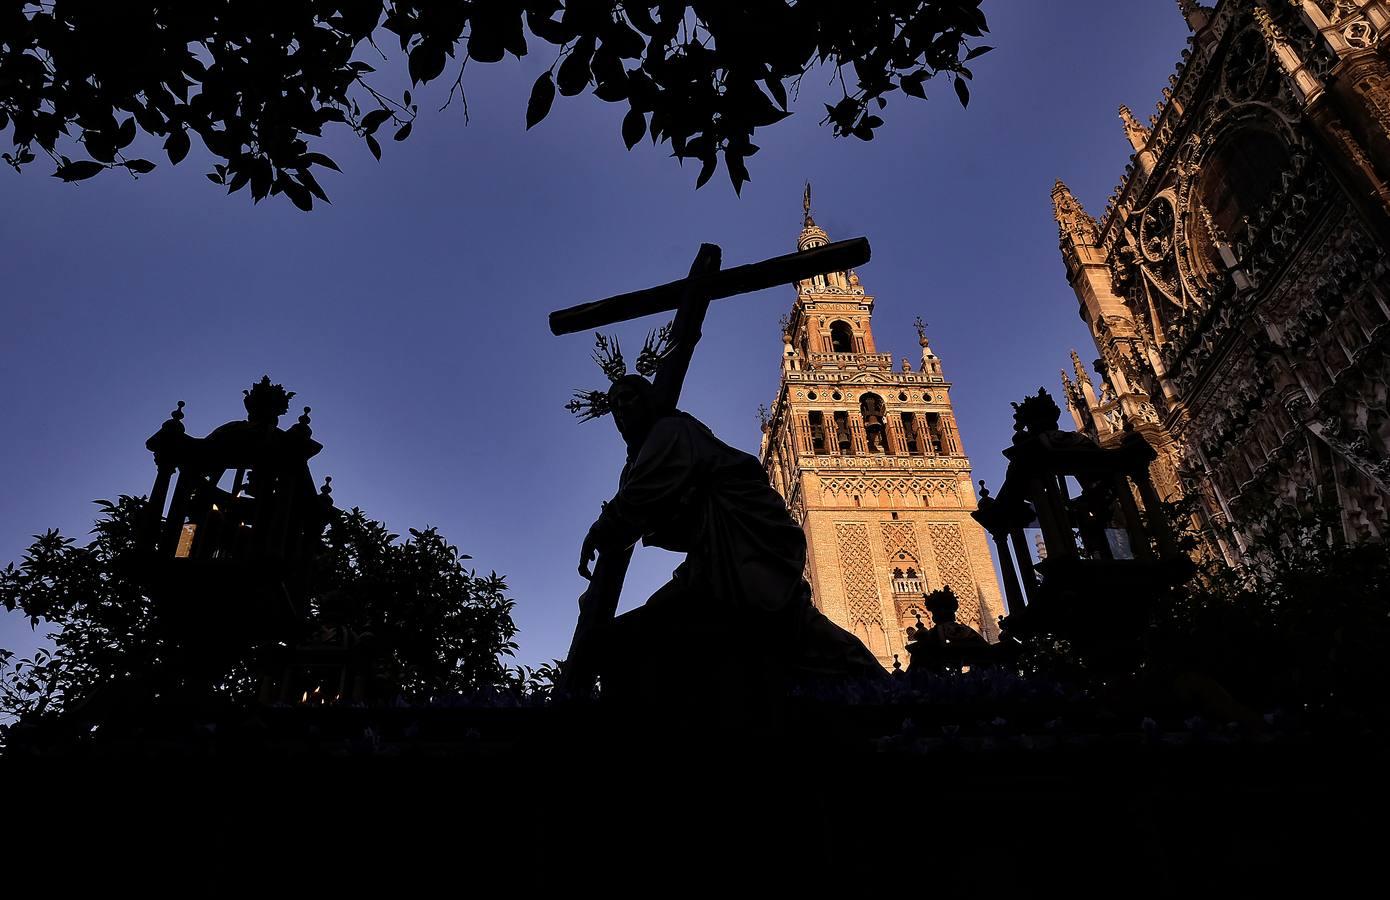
<point x="683" y="489"/>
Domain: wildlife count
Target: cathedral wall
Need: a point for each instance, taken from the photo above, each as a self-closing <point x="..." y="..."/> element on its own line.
<point x="1249" y="256"/>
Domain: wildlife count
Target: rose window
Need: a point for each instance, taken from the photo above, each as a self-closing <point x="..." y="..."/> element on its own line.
<point x="1247" y="65"/>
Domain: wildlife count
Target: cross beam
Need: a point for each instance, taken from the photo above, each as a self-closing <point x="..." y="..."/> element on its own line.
<point x="836" y="257"/>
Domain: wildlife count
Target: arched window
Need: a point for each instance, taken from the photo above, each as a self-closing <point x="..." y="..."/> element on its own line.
<point x="871" y="411"/>
<point x="818" y="442"/>
<point x="843" y="437"/>
<point x="909" y="421"/>
<point x="841" y="337"/>
<point x="1239" y="178"/>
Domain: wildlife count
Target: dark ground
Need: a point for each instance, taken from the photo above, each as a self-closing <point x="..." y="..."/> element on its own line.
<point x="517" y="798"/>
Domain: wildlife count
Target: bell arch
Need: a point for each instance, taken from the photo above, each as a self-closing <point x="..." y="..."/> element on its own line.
<point x="841" y="337"/>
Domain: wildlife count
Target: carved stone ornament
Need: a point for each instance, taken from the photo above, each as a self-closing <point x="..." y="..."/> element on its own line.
<point x="1156" y="230"/>
<point x="1247" y="66"/>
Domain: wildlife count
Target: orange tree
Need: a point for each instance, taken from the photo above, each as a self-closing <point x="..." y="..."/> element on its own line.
<point x="440" y="628"/>
<point x="259" y="82"/>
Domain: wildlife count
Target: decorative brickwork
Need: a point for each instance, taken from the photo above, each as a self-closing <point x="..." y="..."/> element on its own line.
<point x="867" y="452"/>
<point x="953" y="568"/>
<point x="1235" y="286"/>
<point x="857" y="576"/>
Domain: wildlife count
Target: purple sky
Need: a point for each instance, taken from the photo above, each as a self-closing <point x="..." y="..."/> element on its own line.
<point x="411" y="314"/>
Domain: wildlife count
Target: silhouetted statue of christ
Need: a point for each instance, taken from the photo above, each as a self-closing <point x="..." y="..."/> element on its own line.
<point x="685" y="490"/>
<point x="738" y="604"/>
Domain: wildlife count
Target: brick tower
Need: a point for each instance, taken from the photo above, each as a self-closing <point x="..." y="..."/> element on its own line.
<point x="871" y="464"/>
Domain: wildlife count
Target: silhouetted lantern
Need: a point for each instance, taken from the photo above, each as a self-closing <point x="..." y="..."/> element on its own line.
<point x="233" y="524"/>
<point x="1083" y="589"/>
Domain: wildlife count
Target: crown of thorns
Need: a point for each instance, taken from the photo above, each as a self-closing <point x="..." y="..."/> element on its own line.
<point x="609" y="356"/>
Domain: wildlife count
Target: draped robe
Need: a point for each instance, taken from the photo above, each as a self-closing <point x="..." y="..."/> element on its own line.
<point x="687" y="491"/>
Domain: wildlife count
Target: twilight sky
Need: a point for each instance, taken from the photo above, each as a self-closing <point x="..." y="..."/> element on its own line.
<point x="411" y="314"/>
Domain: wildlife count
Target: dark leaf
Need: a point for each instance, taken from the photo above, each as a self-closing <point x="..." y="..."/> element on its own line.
<point x="139" y="166"/>
<point x="962" y="91"/>
<point x="299" y="195"/>
<point x="573" y="76"/>
<point x="373" y="146"/>
<point x="308" y="180"/>
<point x="610" y="80"/>
<point x="261" y="178"/>
<point x="978" y="51"/>
<point x="707" y="168"/>
<point x="738" y="172"/>
<point x="100" y="146"/>
<point x="78" y="171"/>
<point x="176" y="145"/>
<point x="486" y="39"/>
<point x="403" y="132"/>
<point x="126" y="133"/>
<point x="542" y="96"/>
<point x="372" y="120"/>
<point x="634" y="126"/>
<point x="426" y="62"/>
<point x="778" y="91"/>
<point x="321" y="160"/>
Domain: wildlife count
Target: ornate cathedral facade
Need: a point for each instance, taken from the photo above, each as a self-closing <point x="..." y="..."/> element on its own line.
<point x="1237" y="285"/>
<point x="870" y="462"/>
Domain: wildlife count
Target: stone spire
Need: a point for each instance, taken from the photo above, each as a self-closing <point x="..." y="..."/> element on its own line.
<point x="1073" y="223"/>
<point x="1082" y="376"/>
<point x="1306" y="85"/>
<point x="1083" y="381"/>
<point x="1137" y="133"/>
<point x="1074" y="401"/>
<point x="1267" y="25"/>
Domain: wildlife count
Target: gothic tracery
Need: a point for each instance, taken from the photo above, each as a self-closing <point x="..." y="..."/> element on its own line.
<point x="1251" y="351"/>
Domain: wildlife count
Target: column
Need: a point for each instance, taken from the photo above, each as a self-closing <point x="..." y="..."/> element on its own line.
<point x="857" y="439"/>
<point x="951" y="436"/>
<point x="924" y="441"/>
<point x="893" y="435"/>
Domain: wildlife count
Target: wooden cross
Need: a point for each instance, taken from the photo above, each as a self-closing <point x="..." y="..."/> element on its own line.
<point x="704" y="285"/>
<point x="690" y="298"/>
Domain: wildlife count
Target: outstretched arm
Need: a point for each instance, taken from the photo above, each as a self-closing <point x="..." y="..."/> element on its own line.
<point x="654" y="486"/>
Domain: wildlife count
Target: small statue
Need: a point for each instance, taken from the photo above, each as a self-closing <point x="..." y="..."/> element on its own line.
<point x="948" y="644"/>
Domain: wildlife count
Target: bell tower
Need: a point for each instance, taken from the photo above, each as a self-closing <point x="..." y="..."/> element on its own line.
<point x="871" y="464"/>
